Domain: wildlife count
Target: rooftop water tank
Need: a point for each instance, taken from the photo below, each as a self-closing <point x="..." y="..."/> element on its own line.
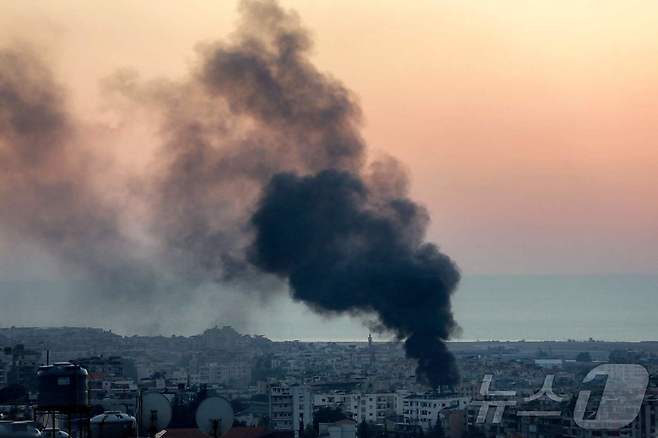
<point x="53" y="432"/>
<point x="18" y="429"/>
<point x="62" y="386"/>
<point x="113" y="424"/>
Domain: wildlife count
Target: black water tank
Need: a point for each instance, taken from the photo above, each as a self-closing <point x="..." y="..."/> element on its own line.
<point x="62" y="386"/>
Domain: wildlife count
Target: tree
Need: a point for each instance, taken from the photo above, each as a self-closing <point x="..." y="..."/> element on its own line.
<point x="363" y="431"/>
<point x="13" y="393"/>
<point x="263" y="369"/>
<point x="326" y="415"/>
<point x="473" y="432"/>
<point x="624" y="356"/>
<point x="264" y="422"/>
<point x="437" y="430"/>
<point x="238" y="405"/>
<point x="584" y="356"/>
<point x="309" y="432"/>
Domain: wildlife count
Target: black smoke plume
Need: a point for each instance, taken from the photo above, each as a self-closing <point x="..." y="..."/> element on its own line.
<point x="344" y="252"/>
<point x="261" y="175"/>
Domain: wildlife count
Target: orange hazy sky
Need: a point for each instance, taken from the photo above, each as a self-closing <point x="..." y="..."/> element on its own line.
<point x="530" y="129"/>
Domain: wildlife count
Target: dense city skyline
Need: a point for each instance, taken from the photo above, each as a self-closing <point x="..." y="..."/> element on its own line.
<point x="328" y="219"/>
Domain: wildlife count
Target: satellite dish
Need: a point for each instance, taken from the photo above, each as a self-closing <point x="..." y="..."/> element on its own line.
<point x="214" y="416"/>
<point x="155" y="413"/>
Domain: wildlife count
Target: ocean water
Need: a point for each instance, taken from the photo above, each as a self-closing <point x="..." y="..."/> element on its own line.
<point x="558" y="307"/>
<point x="487" y="307"/>
<point x="509" y="307"/>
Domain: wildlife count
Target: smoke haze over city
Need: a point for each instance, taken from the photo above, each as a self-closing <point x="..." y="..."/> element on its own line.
<point x="531" y="159"/>
<point x="262" y="179"/>
<point x="328" y="219"/>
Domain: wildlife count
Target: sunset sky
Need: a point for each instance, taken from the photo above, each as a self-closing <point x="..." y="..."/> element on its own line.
<point x="529" y="128"/>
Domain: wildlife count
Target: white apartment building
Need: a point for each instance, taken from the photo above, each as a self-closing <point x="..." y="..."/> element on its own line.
<point x="224" y="373"/>
<point x="291" y="407"/>
<point x="371" y="407"/>
<point x="330" y="399"/>
<point x="375" y="407"/>
<point x="423" y="410"/>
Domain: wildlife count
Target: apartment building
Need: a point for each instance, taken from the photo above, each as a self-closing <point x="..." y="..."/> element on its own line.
<point x="423" y="410"/>
<point x="291" y="407"/>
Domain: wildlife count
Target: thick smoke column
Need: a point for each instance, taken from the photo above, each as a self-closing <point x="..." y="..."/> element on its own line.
<point x="344" y="252"/>
<point x="261" y="175"/>
<point x="347" y="239"/>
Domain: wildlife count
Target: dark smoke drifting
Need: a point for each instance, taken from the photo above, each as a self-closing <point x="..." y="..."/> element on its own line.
<point x="47" y="192"/>
<point x="262" y="176"/>
<point x="255" y="107"/>
<point x="342" y="251"/>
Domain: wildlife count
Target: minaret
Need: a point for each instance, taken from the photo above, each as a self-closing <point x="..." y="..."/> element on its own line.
<point x="371" y="351"/>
